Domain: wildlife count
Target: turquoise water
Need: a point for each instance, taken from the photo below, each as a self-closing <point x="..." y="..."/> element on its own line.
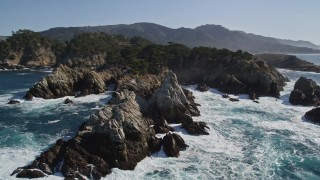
<point x="269" y="140"/>
<point x="28" y="128"/>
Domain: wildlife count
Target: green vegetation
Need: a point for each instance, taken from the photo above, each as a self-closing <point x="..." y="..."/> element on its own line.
<point x="28" y="42"/>
<point x="139" y="54"/>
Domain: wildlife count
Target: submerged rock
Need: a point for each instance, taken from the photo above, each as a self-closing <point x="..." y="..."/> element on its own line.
<point x="234" y="99"/>
<point x="13" y="101"/>
<point x="68" y="101"/>
<point x="305" y="92"/>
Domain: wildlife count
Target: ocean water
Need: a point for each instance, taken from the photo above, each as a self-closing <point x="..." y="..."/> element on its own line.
<point x="314" y="58"/>
<point x="269" y="140"/>
<point x="29" y="128"/>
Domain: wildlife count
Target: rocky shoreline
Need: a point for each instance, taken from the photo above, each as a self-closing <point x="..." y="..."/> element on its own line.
<point x="288" y="62"/>
<point x="123" y="133"/>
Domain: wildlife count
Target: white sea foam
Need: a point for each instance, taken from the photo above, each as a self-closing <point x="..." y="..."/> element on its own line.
<point x="55" y="121"/>
<point x="225" y="153"/>
<point x="246" y="140"/>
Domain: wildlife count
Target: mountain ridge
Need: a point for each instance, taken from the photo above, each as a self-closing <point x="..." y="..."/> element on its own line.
<point x="206" y="35"/>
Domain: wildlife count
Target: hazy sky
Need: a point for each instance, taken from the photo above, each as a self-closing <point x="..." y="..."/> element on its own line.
<point x="288" y="19"/>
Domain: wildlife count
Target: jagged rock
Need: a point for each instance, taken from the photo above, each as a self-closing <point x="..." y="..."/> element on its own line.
<point x="170" y="100"/>
<point x="194" y="111"/>
<point x="161" y="126"/>
<point x="194" y="128"/>
<point x="29" y="173"/>
<point x="122" y="133"/>
<point x="28" y="97"/>
<point x="115" y="136"/>
<point x="313" y="115"/>
<point x="65" y="82"/>
<point x="68" y="101"/>
<point x="172" y="144"/>
<point x="274" y="90"/>
<point x="230" y="84"/>
<point x="305" y="92"/>
<point x="234" y="99"/>
<point x="202" y="87"/>
<point x="180" y="142"/>
<point x="154" y="144"/>
<point x="13" y="101"/>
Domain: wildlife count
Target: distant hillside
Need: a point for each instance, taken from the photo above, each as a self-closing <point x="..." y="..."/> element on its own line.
<point x="206" y="35"/>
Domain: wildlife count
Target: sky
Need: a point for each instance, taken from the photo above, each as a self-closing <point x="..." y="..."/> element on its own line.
<point x="286" y="19"/>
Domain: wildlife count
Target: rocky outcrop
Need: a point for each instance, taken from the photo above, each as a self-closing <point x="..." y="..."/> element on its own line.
<point x="232" y="75"/>
<point x="172" y="144"/>
<point x="29" y="173"/>
<point x="313" y="115"/>
<point x="202" y="87"/>
<point x="41" y="57"/>
<point x="305" y="92"/>
<point x="288" y="62"/>
<point x="67" y="82"/>
<point x="123" y="133"/>
<point x="68" y="101"/>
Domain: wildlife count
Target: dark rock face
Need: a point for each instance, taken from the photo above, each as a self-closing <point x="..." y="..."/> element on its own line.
<point x="234" y="100"/>
<point x="192" y="127"/>
<point x="66" y="82"/>
<point x="172" y="144"/>
<point x="233" y="75"/>
<point x="13" y="101"/>
<point x="28" y="97"/>
<point x="202" y="87"/>
<point x="305" y="92"/>
<point x="161" y="126"/>
<point x="252" y="96"/>
<point x="28" y="173"/>
<point x="68" y="101"/>
<point x="313" y="115"/>
<point x="123" y="133"/>
<point x="225" y="96"/>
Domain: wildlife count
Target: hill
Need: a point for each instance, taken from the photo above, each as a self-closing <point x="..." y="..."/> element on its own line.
<point x="207" y="35"/>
